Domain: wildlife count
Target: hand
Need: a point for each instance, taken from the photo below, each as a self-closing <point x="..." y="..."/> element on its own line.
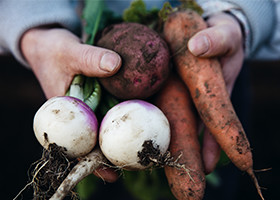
<point x="223" y="39"/>
<point x="56" y="55"/>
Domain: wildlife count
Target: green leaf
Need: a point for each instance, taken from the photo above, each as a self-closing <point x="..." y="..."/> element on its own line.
<point x="147" y="185"/>
<point x="191" y="4"/>
<point x="92" y="15"/>
<point x="106" y="103"/>
<point x="87" y="187"/>
<point x="224" y="159"/>
<point x="136" y="12"/>
<point x="165" y="11"/>
<point x="213" y="179"/>
<point x="185" y="4"/>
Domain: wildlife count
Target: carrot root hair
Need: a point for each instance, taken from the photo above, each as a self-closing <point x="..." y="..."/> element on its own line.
<point x="255" y="180"/>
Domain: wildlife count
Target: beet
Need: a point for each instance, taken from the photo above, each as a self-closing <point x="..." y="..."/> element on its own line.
<point x="145" y="60"/>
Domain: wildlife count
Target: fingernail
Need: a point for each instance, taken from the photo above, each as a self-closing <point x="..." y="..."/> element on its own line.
<point x="109" y="61"/>
<point x="198" y="45"/>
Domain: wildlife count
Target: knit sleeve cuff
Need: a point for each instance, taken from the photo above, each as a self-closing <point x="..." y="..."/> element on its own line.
<point x="19" y="16"/>
<point x="256" y="17"/>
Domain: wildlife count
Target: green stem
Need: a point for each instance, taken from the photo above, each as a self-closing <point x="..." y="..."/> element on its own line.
<point x="108" y="101"/>
<point x="88" y="86"/>
<point x="76" y="88"/>
<point x="94" y="98"/>
<point x="86" y="89"/>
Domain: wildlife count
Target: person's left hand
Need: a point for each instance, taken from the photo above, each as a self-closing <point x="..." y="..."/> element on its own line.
<point x="222" y="39"/>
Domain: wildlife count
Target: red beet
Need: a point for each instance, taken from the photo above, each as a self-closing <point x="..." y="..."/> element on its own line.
<point x="145" y="60"/>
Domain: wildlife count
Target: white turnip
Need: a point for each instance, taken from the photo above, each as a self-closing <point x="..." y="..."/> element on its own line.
<point x="69" y="123"/>
<point x="134" y="134"/>
<point x="130" y="127"/>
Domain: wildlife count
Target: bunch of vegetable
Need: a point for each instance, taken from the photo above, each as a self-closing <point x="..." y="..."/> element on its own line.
<point x="207" y="87"/>
<point x="133" y="134"/>
<point x="161" y="128"/>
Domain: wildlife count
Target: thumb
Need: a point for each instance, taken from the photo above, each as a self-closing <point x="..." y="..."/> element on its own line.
<point x="210" y="42"/>
<point x="95" y="61"/>
<point x="223" y="37"/>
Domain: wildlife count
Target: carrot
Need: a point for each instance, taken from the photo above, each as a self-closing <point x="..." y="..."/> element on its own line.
<point x="205" y="81"/>
<point x="175" y="102"/>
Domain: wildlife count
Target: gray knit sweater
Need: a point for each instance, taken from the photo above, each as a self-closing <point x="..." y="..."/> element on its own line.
<point x="261" y="19"/>
<point x="17" y="16"/>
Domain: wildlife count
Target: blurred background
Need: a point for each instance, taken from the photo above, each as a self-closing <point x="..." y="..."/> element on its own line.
<point x="256" y="99"/>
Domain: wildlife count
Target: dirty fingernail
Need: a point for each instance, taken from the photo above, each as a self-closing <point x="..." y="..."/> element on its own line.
<point x="198" y="45"/>
<point x="110" y="61"/>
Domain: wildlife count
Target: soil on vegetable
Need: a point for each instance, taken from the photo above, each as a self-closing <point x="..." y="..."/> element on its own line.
<point x="151" y="154"/>
<point x="49" y="171"/>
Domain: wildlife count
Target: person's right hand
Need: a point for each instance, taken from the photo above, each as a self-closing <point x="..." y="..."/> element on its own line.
<point x="56" y="55"/>
<point x="223" y="39"/>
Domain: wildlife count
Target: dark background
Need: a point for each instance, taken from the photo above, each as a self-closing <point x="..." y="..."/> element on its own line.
<point x="256" y="99"/>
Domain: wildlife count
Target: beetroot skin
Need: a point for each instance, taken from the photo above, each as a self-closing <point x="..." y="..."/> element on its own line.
<point x="145" y="60"/>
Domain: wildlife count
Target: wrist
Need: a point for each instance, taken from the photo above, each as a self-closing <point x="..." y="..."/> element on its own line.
<point x="244" y="26"/>
<point x="29" y="43"/>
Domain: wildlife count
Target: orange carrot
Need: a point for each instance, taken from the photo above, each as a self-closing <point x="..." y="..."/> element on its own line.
<point x="174" y="100"/>
<point x="205" y="81"/>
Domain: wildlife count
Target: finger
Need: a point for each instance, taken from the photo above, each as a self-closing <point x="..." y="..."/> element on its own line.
<point x="210" y="152"/>
<point x="214" y="41"/>
<point x="94" y="61"/>
<point x="231" y="67"/>
<point x="222" y="38"/>
<point x="107" y="174"/>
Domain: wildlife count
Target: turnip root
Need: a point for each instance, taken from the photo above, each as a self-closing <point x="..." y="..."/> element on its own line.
<point x="85" y="167"/>
<point x="145" y="60"/>
<point x="67" y="122"/>
<point x="131" y="129"/>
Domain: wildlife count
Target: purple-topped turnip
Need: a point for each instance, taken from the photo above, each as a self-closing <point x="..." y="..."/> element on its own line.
<point x="69" y="123"/>
<point x="128" y="129"/>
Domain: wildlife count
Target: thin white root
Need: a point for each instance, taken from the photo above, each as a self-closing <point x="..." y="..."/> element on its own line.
<point x="85" y="167"/>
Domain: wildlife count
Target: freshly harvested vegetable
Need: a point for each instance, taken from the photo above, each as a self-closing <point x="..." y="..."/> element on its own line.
<point x="134" y="135"/>
<point x="69" y="123"/>
<point x="205" y="81"/>
<point x="175" y="102"/>
<point x="66" y="126"/>
<point x="132" y="130"/>
<point x="145" y="58"/>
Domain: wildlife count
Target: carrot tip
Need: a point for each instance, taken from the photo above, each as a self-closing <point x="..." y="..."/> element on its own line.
<point x="255" y="180"/>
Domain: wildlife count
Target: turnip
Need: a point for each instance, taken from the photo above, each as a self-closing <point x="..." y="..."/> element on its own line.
<point x="133" y="135"/>
<point x="130" y="127"/>
<point x="69" y="123"/>
<point x="67" y="128"/>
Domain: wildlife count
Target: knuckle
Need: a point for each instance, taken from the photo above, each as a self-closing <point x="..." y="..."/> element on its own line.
<point x="88" y="59"/>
